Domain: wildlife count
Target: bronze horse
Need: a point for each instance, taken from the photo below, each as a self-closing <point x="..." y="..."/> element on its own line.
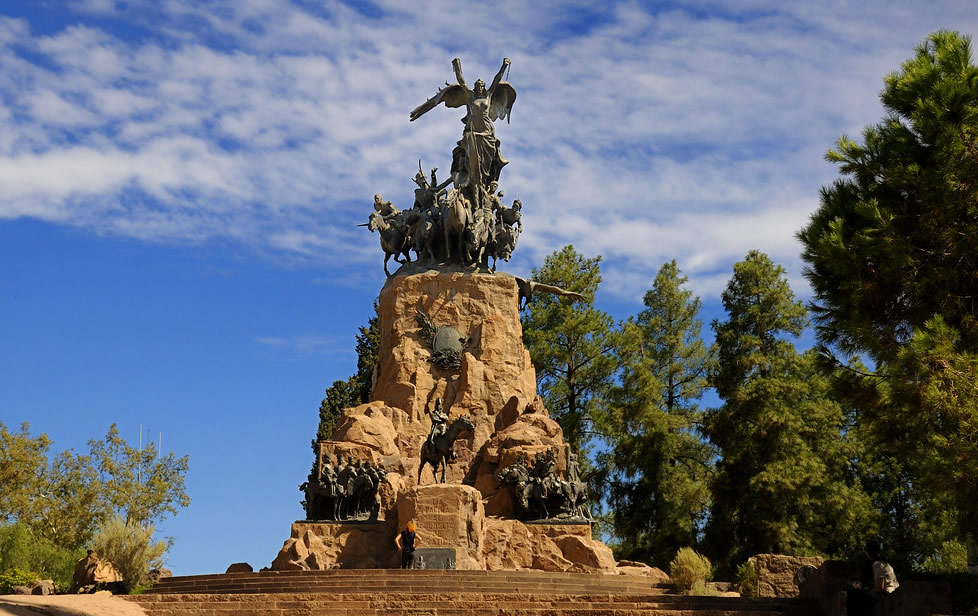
<point x="393" y="239"/>
<point x="443" y="449"/>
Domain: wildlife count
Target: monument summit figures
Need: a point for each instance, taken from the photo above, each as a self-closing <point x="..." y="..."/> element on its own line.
<point x="467" y="224"/>
<point x="476" y="161"/>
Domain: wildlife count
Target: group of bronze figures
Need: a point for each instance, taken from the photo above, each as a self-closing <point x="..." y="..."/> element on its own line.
<point x="351" y="491"/>
<point x="468" y="223"/>
<point x="343" y="492"/>
<point x="540" y="494"/>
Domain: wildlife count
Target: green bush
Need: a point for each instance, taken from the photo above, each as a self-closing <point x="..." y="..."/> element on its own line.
<point x="19" y="550"/>
<point x="747" y="579"/>
<point x="16" y="577"/>
<point x="690" y="571"/>
<point x="130" y="549"/>
<point x="951" y="557"/>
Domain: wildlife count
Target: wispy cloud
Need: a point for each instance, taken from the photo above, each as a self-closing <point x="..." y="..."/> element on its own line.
<point x="304" y="345"/>
<point x="640" y="133"/>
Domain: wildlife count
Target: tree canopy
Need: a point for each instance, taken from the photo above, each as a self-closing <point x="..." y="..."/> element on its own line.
<point x="782" y="480"/>
<point x="891" y="259"/>
<point x="354" y="390"/>
<point x="65" y="500"/>
<point x="571" y="343"/>
<point x="656" y="465"/>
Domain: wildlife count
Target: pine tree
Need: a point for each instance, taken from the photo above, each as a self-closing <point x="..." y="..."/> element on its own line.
<point x="657" y="465"/>
<point x="783" y="483"/>
<point x="571" y="344"/>
<point x="355" y="390"/>
<point x="891" y="258"/>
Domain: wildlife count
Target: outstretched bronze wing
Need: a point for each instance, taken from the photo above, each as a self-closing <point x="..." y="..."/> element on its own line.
<point x="503" y="97"/>
<point x="453" y="96"/>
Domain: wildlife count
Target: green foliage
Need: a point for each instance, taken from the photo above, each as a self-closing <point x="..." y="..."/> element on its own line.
<point x="690" y="571"/>
<point x="23" y="459"/>
<point x="571" y="344"/>
<point x="656" y="467"/>
<point x="368" y="347"/>
<point x="783" y="482"/>
<point x="891" y="245"/>
<point x="340" y="395"/>
<point x="130" y="549"/>
<point x="12" y="578"/>
<point x="747" y="582"/>
<point x="951" y="557"/>
<point x="19" y="551"/>
<point x="57" y="506"/>
<point x="891" y="259"/>
<point x="72" y="504"/>
<point x="355" y="390"/>
<point x="137" y="483"/>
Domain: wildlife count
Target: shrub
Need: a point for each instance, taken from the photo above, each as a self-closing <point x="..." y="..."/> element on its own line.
<point x="130" y="549"/>
<point x="690" y="571"/>
<point x="16" y="577"/>
<point x="747" y="578"/>
<point x="951" y="557"/>
<point x="19" y="550"/>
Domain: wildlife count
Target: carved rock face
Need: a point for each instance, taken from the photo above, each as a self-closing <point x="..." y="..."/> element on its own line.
<point x="494" y="368"/>
<point x="494" y="386"/>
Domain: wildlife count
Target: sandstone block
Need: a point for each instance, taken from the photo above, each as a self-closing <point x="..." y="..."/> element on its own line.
<point x="320" y="545"/>
<point x="776" y="573"/>
<point x="93" y="570"/>
<point x="587" y="552"/>
<point x="447" y="516"/>
<point x="369" y="426"/>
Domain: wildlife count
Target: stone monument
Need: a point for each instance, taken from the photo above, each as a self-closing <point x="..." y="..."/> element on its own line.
<point x="454" y="436"/>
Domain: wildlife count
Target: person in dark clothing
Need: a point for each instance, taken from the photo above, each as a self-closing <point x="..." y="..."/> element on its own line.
<point x="406" y="542"/>
<point x="876" y="578"/>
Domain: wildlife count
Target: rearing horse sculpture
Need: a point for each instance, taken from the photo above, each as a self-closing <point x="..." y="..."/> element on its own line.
<point x="393" y="239"/>
<point x="442" y="449"/>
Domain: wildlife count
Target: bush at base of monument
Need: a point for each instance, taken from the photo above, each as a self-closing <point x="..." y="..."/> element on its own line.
<point x="131" y="551"/>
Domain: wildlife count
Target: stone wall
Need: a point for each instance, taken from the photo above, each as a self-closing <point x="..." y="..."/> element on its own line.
<point x="776" y="573"/>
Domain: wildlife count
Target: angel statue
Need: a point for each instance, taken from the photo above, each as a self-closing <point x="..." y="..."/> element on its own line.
<point x="476" y="160"/>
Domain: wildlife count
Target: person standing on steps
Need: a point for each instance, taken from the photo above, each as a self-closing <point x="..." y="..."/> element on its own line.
<point x="405" y="542"/>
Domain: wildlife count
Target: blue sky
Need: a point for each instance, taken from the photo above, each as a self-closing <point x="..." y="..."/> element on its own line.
<point x="180" y="183"/>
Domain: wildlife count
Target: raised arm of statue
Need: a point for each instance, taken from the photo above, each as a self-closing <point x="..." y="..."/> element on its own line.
<point x="499" y="76"/>
<point x="457" y="66"/>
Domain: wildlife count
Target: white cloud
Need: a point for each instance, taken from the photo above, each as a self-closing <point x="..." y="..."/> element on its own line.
<point x="640" y="134"/>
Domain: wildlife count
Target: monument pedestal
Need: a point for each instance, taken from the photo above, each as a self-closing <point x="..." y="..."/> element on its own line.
<point x="494" y="387"/>
<point x="448" y="516"/>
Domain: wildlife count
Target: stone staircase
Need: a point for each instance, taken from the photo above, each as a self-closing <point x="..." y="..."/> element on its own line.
<point x="376" y="592"/>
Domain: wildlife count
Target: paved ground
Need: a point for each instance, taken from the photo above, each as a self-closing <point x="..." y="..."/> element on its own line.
<point x="68" y="605"/>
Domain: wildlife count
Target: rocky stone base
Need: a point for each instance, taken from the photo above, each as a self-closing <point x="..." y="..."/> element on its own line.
<point x="494" y="387"/>
<point x="447" y="516"/>
<point x="329" y="545"/>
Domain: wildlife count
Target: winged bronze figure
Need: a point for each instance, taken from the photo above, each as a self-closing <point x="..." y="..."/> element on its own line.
<point x="476" y="161"/>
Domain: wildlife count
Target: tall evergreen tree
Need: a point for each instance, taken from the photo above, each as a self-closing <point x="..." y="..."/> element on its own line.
<point x="354" y="390"/>
<point x="571" y="343"/>
<point x="783" y="483"/>
<point x="891" y="258"/>
<point x="657" y="465"/>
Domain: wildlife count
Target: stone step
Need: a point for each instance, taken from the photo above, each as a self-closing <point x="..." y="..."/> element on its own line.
<point x="467" y="603"/>
<point x="339" y="581"/>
